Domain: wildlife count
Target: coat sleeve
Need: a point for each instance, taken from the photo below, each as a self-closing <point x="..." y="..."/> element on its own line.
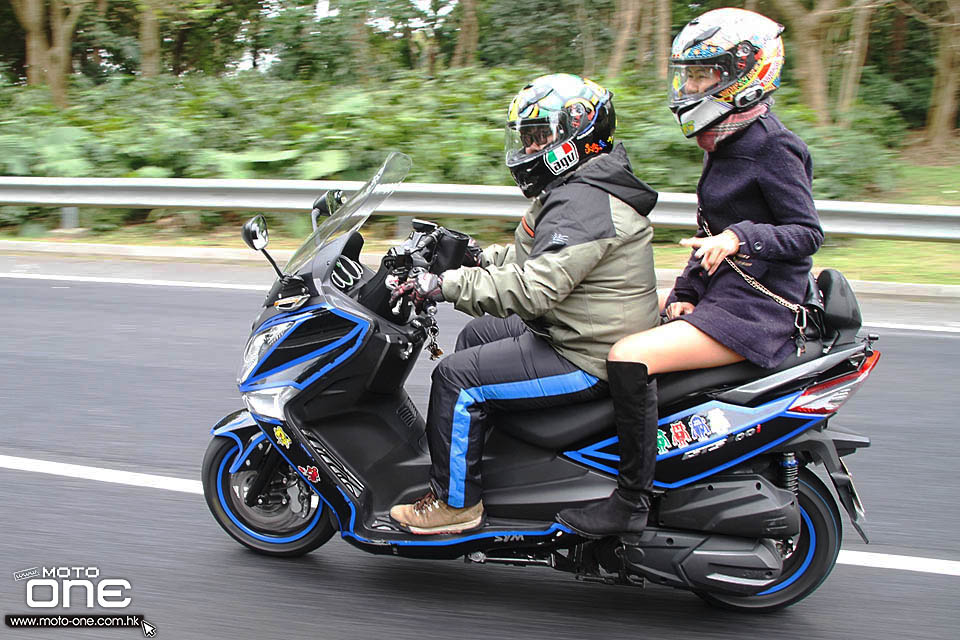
<point x="498" y="255"/>
<point x="564" y="252"/>
<point x="785" y="175"/>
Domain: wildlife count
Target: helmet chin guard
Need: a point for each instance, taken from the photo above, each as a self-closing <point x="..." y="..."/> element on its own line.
<point x="701" y="115"/>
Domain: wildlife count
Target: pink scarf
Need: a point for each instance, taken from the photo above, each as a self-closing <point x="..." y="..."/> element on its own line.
<point x="708" y="139"/>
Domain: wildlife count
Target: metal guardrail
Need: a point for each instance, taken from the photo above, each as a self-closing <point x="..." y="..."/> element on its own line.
<point x="433" y="200"/>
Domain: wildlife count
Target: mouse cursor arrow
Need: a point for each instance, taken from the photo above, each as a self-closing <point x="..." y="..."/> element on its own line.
<point x="149" y="630"/>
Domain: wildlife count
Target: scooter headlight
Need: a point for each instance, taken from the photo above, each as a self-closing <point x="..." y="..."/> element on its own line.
<point x="258" y="345"/>
<point x="268" y="402"/>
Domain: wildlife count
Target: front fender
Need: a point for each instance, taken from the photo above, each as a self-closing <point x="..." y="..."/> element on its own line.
<point x="230" y="424"/>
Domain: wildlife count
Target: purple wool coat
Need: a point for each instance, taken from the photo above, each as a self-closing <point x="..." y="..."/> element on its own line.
<point x="758" y="184"/>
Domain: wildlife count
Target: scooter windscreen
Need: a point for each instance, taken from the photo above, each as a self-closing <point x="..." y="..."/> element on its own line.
<point x="338" y="228"/>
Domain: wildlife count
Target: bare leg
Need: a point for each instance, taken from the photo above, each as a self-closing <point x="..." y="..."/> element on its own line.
<point x="675" y="346"/>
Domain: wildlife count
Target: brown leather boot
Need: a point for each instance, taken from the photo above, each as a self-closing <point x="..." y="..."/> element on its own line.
<point x="430" y="515"/>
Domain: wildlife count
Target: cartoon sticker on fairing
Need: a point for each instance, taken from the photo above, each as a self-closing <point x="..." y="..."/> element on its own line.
<point x="692" y="430"/>
<point x="311" y="473"/>
<point x="700" y="428"/>
<point x="718" y="421"/>
<point x="282" y="437"/>
<point x="663" y="445"/>
<point x="562" y="158"/>
<point x="679" y="435"/>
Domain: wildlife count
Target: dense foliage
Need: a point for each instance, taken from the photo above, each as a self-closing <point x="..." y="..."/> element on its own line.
<point x="252" y="126"/>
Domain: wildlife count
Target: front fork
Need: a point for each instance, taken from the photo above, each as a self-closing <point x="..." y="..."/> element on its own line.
<point x="237" y="425"/>
<point x="271" y="461"/>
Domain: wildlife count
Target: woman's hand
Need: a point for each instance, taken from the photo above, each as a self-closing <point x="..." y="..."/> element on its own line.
<point x="714" y="249"/>
<point x="677" y="309"/>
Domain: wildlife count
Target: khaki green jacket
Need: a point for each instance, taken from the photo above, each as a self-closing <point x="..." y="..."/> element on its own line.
<point x="580" y="271"/>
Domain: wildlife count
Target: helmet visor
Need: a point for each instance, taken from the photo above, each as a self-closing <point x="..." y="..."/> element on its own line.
<point x="528" y="138"/>
<point x="690" y="81"/>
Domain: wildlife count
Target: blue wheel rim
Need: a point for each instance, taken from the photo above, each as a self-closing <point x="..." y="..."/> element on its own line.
<point x="811" y="549"/>
<point x="224" y="503"/>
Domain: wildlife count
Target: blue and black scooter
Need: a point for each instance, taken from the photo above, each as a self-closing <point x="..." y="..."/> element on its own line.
<point x="329" y="439"/>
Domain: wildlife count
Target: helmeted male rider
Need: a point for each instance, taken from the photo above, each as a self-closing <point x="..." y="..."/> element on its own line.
<point x="578" y="277"/>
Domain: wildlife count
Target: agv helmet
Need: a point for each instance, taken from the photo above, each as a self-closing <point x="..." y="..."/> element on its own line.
<point x="726" y="60"/>
<point x="554" y="125"/>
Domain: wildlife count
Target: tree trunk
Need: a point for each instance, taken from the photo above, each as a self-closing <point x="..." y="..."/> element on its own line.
<point x="32" y="18"/>
<point x="859" y="37"/>
<point x="465" y="53"/>
<point x="942" y="115"/>
<point x="178" y="47"/>
<point x="627" y="11"/>
<point x="359" y="44"/>
<point x="811" y="67"/>
<point x="149" y="41"/>
<point x="102" y="13"/>
<point x="645" y="18"/>
<point x="806" y="28"/>
<point x="662" y="50"/>
<point x="899" y="41"/>
<point x="586" y="37"/>
<point x="58" y="56"/>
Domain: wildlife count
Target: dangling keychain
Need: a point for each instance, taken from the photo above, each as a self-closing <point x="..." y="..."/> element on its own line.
<point x="435" y="351"/>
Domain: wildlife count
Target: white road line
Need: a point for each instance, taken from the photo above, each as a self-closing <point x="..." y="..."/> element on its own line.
<point x="912" y="327"/>
<point x="138" y="281"/>
<point x="102" y="475"/>
<point x="900" y="563"/>
<point x="855" y="558"/>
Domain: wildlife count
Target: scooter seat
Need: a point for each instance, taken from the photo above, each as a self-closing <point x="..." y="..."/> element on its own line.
<point x="565" y="425"/>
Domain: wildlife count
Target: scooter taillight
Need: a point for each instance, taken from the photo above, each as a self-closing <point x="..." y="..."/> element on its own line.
<point x="827" y="397"/>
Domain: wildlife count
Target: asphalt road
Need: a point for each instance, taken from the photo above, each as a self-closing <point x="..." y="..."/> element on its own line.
<point x="130" y="377"/>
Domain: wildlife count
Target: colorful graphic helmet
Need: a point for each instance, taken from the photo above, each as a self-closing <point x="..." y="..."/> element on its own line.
<point x="724" y="61"/>
<point x="555" y="124"/>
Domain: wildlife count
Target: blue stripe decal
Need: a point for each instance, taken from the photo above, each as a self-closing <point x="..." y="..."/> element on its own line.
<point x="247" y="530"/>
<point x="349" y="532"/>
<point x="737" y="461"/>
<point x="773" y="409"/>
<point x="810" y="551"/>
<point x="357" y="334"/>
<point x="246" y="454"/>
<point x="460" y="429"/>
<point x="554" y="528"/>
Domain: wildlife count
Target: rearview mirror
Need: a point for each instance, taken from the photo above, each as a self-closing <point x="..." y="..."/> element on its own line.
<point x="326" y="205"/>
<point x="254" y="233"/>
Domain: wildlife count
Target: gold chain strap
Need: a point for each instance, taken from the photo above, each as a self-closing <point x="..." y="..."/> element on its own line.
<point x="800" y="312"/>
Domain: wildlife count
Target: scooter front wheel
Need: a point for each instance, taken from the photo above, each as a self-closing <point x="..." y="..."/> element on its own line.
<point x="809" y="558"/>
<point x="291" y="520"/>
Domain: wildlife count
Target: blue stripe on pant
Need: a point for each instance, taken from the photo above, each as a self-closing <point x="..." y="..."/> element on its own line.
<point x="523" y="389"/>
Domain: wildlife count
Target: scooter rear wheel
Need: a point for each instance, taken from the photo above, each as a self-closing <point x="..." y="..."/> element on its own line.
<point x="811" y="560"/>
<point x="276" y="529"/>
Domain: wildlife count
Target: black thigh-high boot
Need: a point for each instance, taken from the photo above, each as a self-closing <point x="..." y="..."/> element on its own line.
<point x="635" y="411"/>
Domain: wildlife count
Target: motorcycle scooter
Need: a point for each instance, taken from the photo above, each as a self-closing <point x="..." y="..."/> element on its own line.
<point x="329" y="440"/>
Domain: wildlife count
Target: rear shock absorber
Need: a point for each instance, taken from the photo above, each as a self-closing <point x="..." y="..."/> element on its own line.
<point x="789" y="472"/>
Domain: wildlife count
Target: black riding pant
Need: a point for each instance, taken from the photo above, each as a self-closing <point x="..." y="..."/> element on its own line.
<point x="499" y="365"/>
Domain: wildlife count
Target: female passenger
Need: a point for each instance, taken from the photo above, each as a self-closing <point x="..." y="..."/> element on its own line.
<point x="757" y="221"/>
